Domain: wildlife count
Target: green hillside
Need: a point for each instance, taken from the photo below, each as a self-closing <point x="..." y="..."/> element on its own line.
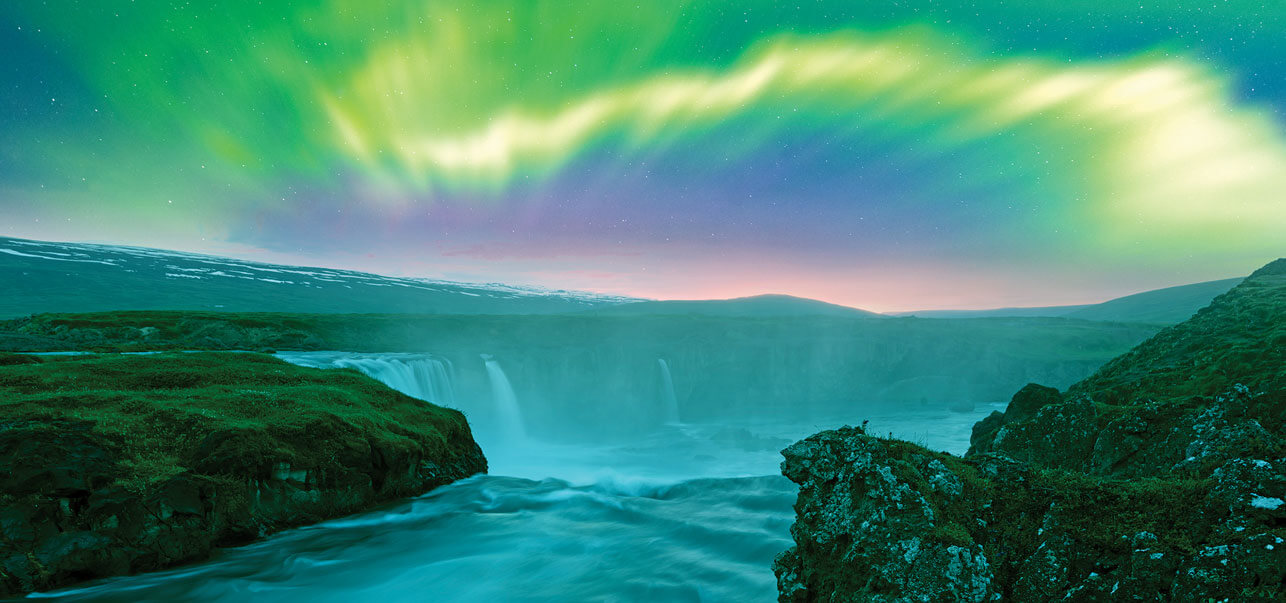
<point x="1160" y="477"/>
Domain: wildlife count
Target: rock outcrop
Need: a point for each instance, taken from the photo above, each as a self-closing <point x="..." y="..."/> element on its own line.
<point x="1161" y="477"/>
<point x="883" y="520"/>
<point x="123" y="473"/>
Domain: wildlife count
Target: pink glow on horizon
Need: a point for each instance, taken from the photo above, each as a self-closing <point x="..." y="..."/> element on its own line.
<point x="883" y="286"/>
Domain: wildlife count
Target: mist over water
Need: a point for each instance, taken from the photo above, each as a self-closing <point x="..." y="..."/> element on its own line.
<point x="671" y="402"/>
<point x="673" y="512"/>
<point x="424" y="377"/>
<point x="508" y="413"/>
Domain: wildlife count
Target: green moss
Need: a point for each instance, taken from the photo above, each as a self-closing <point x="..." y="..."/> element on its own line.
<point x="951" y="534"/>
<point x="1011" y="514"/>
<point x="147" y="468"/>
<point x="159" y="412"/>
<point x="1102" y="514"/>
<point x="9" y="359"/>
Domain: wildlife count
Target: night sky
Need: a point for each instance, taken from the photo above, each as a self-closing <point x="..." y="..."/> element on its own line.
<point x="902" y="155"/>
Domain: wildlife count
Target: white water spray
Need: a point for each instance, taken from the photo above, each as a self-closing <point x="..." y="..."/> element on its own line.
<point x="428" y="378"/>
<point x="670" y="401"/>
<point x="508" y="414"/>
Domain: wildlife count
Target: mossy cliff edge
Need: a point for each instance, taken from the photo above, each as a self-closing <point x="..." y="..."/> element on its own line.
<point x="1160" y="477"/>
<point x="126" y="463"/>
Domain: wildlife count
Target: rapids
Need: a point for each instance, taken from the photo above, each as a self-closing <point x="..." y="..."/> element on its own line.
<point x="678" y="512"/>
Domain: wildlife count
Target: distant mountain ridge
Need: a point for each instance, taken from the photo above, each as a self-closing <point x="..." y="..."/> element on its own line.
<point x="754" y="306"/>
<point x="1169" y="305"/>
<point x="45" y="276"/>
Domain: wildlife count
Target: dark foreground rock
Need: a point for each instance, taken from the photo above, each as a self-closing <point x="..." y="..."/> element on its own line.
<point x="883" y="520"/>
<point x="1161" y="477"/>
<point x="116" y="465"/>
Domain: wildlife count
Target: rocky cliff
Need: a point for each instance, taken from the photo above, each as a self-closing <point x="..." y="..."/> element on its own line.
<point x="579" y="374"/>
<point x="1160" y="477"/>
<point x="121" y="464"/>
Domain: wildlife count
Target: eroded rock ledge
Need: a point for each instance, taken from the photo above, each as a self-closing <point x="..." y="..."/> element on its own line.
<point x="884" y="520"/>
<point x="117" y="465"/>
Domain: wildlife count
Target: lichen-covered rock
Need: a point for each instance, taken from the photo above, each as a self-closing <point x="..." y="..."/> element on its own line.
<point x="883" y="520"/>
<point x="1044" y="575"/>
<point x="1162" y="477"/>
<point x="1253" y="490"/>
<point x="876" y="524"/>
<point x="1029" y="401"/>
<point x="1135" y="441"/>
<point x="1254" y="568"/>
<point x="1023" y="406"/>
<point x="1059" y="435"/>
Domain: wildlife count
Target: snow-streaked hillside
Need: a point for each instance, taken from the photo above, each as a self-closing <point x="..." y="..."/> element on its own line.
<point x="41" y="276"/>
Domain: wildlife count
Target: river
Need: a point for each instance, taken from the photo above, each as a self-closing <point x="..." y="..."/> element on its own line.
<point x="678" y="512"/>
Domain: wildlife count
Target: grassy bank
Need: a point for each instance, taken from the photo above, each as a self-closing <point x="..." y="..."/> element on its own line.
<point x="124" y="463"/>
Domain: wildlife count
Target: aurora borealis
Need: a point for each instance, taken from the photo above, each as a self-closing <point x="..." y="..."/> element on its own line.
<point x="899" y="156"/>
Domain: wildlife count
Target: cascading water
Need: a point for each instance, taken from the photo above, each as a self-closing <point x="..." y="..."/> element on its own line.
<point x="695" y="512"/>
<point x="428" y="378"/>
<point x="508" y="414"/>
<point x="668" y="399"/>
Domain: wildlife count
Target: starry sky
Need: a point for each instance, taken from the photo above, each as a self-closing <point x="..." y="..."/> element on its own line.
<point x="886" y="155"/>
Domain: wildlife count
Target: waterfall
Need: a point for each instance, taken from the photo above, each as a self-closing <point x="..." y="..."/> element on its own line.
<point x="671" y="403"/>
<point x="508" y="414"/>
<point x="420" y="376"/>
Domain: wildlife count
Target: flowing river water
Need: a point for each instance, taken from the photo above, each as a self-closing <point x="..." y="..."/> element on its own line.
<point x="680" y="512"/>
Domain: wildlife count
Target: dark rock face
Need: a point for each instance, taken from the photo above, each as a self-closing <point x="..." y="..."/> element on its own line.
<point x="1059" y="435"/>
<point x="1137" y="440"/>
<point x="63" y="519"/>
<point x="1029" y="401"/>
<point x="882" y="520"/>
<point x="1161" y="477"/>
<point x="862" y="500"/>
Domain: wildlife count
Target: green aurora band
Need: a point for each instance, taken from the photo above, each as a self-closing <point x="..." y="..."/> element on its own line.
<point x="1096" y="134"/>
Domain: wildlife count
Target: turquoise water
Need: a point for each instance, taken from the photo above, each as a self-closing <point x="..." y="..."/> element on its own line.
<point x="680" y="513"/>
